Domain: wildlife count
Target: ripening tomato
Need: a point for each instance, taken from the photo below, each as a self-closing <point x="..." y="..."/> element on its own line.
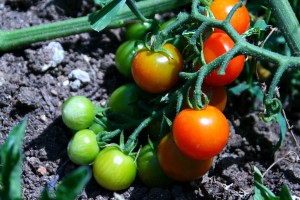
<point x="113" y="169"/>
<point x="201" y="134"/>
<point x="216" y="45"/>
<point x="149" y="170"/>
<point x="177" y="165"/>
<point x="157" y="72"/>
<point x="240" y="20"/>
<point x="217" y="96"/>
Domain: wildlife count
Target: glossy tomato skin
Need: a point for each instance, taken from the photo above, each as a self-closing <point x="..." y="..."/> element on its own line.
<point x="78" y="112"/>
<point x="138" y="31"/>
<point x="201" y="134"/>
<point x="149" y="170"/>
<point x="216" y="45"/>
<point x="155" y="72"/>
<point x="240" y="20"/>
<point x="114" y="170"/>
<point x="124" y="100"/>
<point x="177" y="165"/>
<point x="124" y="56"/>
<point x="83" y="147"/>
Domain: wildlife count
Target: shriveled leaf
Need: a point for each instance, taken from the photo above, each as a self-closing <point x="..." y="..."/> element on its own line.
<point x="11" y="163"/>
<point x="71" y="186"/>
<point x="102" y="18"/>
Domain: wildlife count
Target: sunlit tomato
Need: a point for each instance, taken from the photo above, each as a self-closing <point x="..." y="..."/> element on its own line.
<point x="241" y="18"/>
<point x="201" y="134"/>
<point x="149" y="170"/>
<point x="78" y="112"/>
<point x="216" y="45"/>
<point x="157" y="72"/>
<point x="83" y="147"/>
<point x="113" y="169"/>
<point x="124" y="56"/>
<point x="216" y="94"/>
<point x="124" y="100"/>
<point x="177" y="165"/>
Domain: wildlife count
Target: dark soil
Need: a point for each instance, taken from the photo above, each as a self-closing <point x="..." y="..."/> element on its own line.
<point x="27" y="90"/>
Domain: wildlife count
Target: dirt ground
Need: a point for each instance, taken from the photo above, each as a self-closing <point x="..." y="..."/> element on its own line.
<point x="28" y="89"/>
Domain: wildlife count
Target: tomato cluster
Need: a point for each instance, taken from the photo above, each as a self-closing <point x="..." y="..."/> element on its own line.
<point x="179" y="146"/>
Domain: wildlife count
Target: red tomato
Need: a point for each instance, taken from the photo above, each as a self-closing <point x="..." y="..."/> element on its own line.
<point x="216" y="45"/>
<point x="177" y="165"/>
<point x="156" y="72"/>
<point x="201" y="134"/>
<point x="240" y="20"/>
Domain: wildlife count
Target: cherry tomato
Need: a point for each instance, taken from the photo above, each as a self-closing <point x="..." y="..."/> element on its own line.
<point x="201" y="134"/>
<point x="216" y="45"/>
<point x="217" y="96"/>
<point x="78" y="112"/>
<point x="138" y="31"/>
<point x="240" y="20"/>
<point x="114" y="170"/>
<point x="177" y="165"/>
<point x="149" y="170"/>
<point x="156" y="72"/>
<point x="83" y="147"/>
<point x="124" y="100"/>
<point x="124" y="56"/>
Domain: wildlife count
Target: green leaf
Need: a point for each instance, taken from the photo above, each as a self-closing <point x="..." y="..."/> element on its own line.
<point x="102" y="18"/>
<point x="237" y="90"/>
<point x="261" y="24"/>
<point x="261" y="192"/>
<point x="285" y="193"/>
<point x="283" y="129"/>
<point x="71" y="186"/>
<point x="11" y="161"/>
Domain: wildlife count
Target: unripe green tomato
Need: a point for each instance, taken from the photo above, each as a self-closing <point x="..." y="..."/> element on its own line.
<point x="83" y="147"/>
<point x="149" y="170"/>
<point x="137" y="31"/>
<point x="124" y="100"/>
<point x="113" y="169"/>
<point x="96" y="128"/>
<point x="78" y="112"/>
<point x="124" y="56"/>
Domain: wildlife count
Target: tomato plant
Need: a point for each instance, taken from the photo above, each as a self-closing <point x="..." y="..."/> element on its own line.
<point x="177" y="165"/>
<point x="216" y="45"/>
<point x="113" y="169"/>
<point x="149" y="170"/>
<point x="124" y="56"/>
<point x="157" y="72"/>
<point x="201" y="134"/>
<point x="78" y="112"/>
<point x="240" y="20"/>
<point x="124" y="100"/>
<point x="83" y="147"/>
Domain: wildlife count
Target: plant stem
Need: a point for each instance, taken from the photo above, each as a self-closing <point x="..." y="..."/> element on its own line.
<point x="12" y="39"/>
<point x="287" y="23"/>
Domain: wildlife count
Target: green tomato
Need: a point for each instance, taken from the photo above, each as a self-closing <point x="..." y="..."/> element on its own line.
<point x="124" y="100"/>
<point x="124" y="56"/>
<point x="113" y="170"/>
<point x="138" y="31"/>
<point x="83" y="147"/>
<point x="78" y="112"/>
<point x="96" y="128"/>
<point x="149" y="170"/>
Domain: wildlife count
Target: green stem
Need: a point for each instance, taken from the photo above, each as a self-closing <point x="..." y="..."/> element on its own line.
<point x="136" y="11"/>
<point x="12" y="39"/>
<point x="287" y="23"/>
